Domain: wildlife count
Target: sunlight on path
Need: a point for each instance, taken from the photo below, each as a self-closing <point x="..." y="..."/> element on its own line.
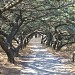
<point x="40" y="62"/>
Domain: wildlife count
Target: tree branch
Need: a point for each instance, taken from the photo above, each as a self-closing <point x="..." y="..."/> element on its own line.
<point x="12" y="5"/>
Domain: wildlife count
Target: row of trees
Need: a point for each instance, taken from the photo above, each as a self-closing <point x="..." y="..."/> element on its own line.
<point x="20" y="18"/>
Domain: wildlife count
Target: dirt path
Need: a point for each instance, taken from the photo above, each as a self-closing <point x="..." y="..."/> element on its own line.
<point x="37" y="60"/>
<point x="42" y="62"/>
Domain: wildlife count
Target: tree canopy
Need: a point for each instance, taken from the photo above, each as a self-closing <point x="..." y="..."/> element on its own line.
<point x="21" y="17"/>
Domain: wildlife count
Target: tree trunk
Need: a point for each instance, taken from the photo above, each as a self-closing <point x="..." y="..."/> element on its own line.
<point x="49" y="38"/>
<point x="7" y="50"/>
<point x="35" y="35"/>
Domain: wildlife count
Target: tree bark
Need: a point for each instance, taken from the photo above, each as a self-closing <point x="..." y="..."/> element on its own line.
<point x="7" y="50"/>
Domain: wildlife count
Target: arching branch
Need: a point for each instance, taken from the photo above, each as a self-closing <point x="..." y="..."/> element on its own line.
<point x="12" y="5"/>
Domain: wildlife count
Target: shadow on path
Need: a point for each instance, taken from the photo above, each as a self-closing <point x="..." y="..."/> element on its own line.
<point x="40" y="62"/>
